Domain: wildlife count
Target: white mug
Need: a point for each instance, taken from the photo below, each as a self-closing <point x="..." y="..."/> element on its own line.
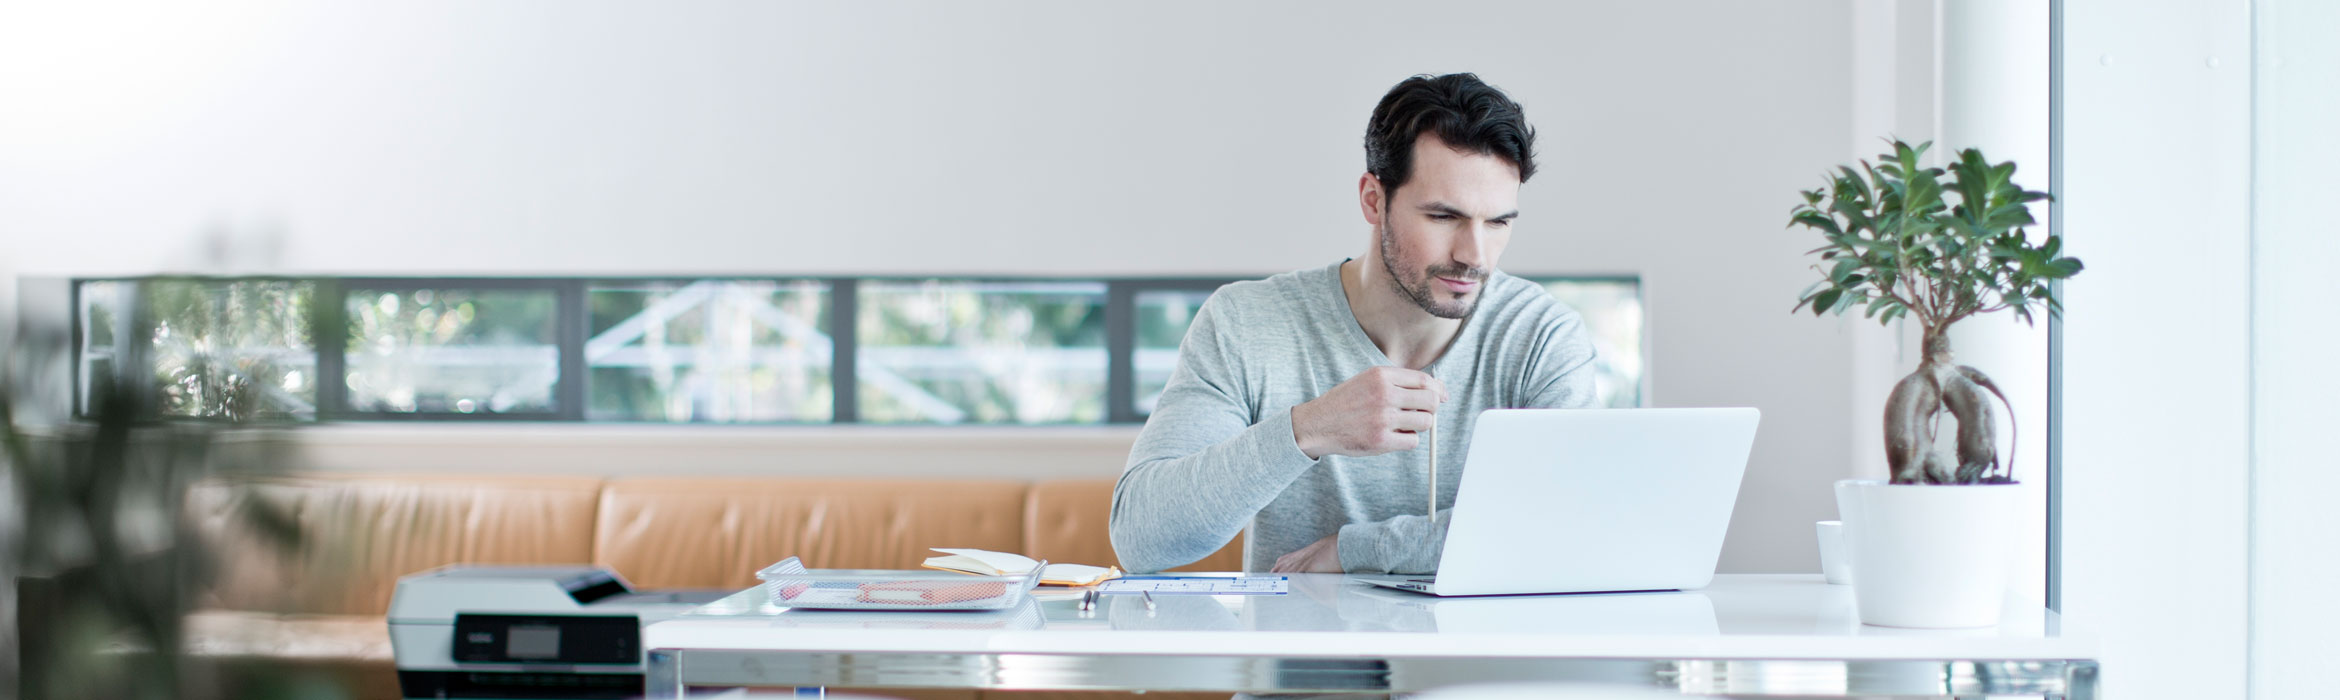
<point x="1835" y="560"/>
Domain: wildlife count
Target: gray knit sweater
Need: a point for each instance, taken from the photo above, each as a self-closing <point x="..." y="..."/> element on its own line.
<point x="1218" y="454"/>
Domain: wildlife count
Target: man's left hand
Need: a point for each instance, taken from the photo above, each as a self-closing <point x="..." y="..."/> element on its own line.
<point x="1323" y="557"/>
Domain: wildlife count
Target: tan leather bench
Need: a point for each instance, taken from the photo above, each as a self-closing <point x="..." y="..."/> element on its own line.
<point x="321" y="606"/>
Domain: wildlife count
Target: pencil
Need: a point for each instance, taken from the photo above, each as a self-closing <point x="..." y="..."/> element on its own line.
<point x="1433" y="433"/>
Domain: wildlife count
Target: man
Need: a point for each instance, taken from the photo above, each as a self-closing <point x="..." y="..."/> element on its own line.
<point x="1300" y="401"/>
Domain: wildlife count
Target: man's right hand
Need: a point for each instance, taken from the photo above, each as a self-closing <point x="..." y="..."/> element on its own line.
<point x="1381" y="410"/>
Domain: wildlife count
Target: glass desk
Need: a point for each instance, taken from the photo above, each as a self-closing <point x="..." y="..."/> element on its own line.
<point x="1743" y="635"/>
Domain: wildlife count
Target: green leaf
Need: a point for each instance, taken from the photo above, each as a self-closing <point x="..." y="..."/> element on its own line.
<point x="1843" y="267"/>
<point x="1814" y="219"/>
<point x="1880" y="304"/>
<point x="1858" y="187"/>
<point x="1925" y="194"/>
<point x="1807" y="294"/>
<point x="1826" y="300"/>
<point x="1847" y="302"/>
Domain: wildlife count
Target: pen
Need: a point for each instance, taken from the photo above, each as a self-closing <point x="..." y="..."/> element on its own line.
<point x="1149" y="596"/>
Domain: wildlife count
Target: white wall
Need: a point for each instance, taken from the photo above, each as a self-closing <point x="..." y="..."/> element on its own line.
<point x="2157" y="373"/>
<point x="2293" y="562"/>
<point x="997" y="138"/>
<point x="1995" y="62"/>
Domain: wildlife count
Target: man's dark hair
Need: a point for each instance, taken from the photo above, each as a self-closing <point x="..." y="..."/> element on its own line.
<point x="1467" y="114"/>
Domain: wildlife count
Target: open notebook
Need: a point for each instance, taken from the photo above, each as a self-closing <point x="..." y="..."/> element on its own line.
<point x="988" y="563"/>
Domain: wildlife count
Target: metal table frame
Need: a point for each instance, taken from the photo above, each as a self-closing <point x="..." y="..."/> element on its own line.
<point x="2074" y="679"/>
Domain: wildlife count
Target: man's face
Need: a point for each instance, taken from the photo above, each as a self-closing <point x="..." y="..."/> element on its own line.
<point x="1441" y="234"/>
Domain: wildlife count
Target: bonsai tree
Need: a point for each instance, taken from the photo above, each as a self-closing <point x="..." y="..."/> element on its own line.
<point x="1906" y="241"/>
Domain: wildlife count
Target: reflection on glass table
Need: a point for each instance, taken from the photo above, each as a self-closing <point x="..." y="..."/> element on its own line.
<point x="755" y="605"/>
<point x="452" y="350"/>
<point x="719" y="351"/>
<point x="1736" y="605"/>
<point x="1745" y="634"/>
<point x="981" y="352"/>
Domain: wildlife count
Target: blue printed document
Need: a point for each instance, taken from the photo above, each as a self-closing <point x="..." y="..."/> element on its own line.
<point x="1199" y="585"/>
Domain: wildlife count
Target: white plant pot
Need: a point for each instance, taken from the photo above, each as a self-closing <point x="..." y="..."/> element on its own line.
<point x="1928" y="556"/>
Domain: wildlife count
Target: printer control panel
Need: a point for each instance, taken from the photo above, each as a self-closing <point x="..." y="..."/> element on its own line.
<point x="548" y="639"/>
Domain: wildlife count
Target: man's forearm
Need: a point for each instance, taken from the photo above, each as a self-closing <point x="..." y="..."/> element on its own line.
<point x="1171" y="509"/>
<point x="1406" y="544"/>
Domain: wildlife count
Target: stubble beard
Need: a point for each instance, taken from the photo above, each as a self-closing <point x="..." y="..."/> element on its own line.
<point x="1458" y="307"/>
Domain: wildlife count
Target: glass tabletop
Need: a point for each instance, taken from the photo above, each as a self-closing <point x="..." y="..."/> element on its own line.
<point x="1768" y="605"/>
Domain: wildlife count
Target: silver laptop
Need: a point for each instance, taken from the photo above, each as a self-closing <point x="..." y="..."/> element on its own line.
<point x="1591" y="500"/>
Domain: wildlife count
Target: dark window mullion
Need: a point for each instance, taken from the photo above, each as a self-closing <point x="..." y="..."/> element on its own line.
<point x="570" y="334"/>
<point x="844" y="348"/>
<point x="1120" y="352"/>
<point x="134" y="366"/>
<point x="329" y="332"/>
<point x="78" y="336"/>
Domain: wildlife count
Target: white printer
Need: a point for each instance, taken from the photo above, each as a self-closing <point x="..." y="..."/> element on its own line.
<point x="525" y="631"/>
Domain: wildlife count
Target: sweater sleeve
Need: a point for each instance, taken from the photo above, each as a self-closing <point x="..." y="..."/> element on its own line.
<point x="1206" y="461"/>
<point x="1406" y="544"/>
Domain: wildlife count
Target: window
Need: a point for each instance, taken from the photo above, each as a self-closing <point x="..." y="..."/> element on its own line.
<point x="103" y="323"/>
<point x="1612" y="312"/>
<point x="793" y="351"/>
<point x="1162" y="318"/>
<point x="710" y="351"/>
<point x="236" y="349"/>
<point x="937" y="351"/>
<point x="451" y="349"/>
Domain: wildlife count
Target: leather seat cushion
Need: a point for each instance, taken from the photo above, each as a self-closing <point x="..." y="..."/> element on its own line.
<point x="360" y="533"/>
<point x="715" y="533"/>
<point x="1066" y="520"/>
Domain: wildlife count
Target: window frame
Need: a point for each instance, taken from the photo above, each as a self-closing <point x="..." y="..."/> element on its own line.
<point x="1121" y="337"/>
<point x="330" y="336"/>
